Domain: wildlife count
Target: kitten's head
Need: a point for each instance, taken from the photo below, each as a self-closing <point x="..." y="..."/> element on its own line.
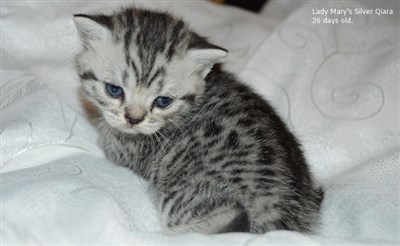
<point x="142" y="69"/>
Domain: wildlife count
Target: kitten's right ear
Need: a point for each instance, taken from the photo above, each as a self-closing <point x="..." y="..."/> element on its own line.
<point x="93" y="27"/>
<point x="206" y="57"/>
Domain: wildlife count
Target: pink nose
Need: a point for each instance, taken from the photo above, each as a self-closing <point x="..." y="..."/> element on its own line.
<point x="133" y="121"/>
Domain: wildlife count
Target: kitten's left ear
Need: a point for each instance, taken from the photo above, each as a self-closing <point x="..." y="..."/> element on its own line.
<point x="93" y="27"/>
<point x="206" y="57"/>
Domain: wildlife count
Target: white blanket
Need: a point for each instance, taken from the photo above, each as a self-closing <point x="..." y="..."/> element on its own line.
<point x="336" y="86"/>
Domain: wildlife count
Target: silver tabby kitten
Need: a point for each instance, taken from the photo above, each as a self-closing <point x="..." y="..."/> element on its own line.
<point x="218" y="156"/>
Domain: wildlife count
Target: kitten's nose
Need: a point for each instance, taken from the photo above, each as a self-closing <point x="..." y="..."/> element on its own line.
<point x="135" y="115"/>
<point x="134" y="121"/>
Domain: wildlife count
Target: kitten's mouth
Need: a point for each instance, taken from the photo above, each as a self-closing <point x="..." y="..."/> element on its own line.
<point x="132" y="129"/>
<point x="135" y="129"/>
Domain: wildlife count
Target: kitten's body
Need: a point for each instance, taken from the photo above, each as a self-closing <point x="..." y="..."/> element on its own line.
<point x="225" y="161"/>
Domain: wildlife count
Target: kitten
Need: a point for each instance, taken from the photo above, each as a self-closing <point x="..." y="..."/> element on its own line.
<point x="218" y="156"/>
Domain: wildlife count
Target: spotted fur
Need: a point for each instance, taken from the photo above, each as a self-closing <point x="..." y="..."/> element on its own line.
<point x="219" y="158"/>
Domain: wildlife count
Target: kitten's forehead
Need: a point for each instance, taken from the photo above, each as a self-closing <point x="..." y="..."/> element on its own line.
<point x="151" y="42"/>
<point x="146" y="70"/>
<point x="151" y="31"/>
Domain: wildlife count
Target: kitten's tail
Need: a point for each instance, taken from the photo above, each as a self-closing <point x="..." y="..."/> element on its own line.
<point x="319" y="195"/>
<point x="240" y="223"/>
<point x="229" y="217"/>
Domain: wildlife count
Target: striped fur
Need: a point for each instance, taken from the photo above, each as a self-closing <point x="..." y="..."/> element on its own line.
<point x="219" y="158"/>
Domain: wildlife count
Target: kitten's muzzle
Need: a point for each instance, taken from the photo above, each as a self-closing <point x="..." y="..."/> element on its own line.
<point x="133" y="121"/>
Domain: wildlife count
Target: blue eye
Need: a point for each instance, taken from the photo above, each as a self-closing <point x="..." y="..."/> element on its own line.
<point x="114" y="91"/>
<point x="163" y="102"/>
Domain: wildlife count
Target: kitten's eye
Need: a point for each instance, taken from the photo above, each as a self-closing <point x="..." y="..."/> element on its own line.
<point x="163" y="102"/>
<point x="114" y="91"/>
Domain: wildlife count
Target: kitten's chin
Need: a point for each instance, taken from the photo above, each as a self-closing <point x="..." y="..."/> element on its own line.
<point x="129" y="130"/>
<point x="135" y="130"/>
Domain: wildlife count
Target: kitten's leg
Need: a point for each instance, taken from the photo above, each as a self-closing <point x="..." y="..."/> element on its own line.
<point x="216" y="215"/>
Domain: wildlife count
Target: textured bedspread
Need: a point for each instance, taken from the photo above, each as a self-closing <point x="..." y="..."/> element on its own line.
<point x="337" y="87"/>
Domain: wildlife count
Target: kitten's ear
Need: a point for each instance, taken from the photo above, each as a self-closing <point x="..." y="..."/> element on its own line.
<point x="93" y="27"/>
<point x="206" y="57"/>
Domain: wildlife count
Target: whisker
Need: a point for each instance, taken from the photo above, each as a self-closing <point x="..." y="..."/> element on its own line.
<point x="162" y="146"/>
<point x="166" y="140"/>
